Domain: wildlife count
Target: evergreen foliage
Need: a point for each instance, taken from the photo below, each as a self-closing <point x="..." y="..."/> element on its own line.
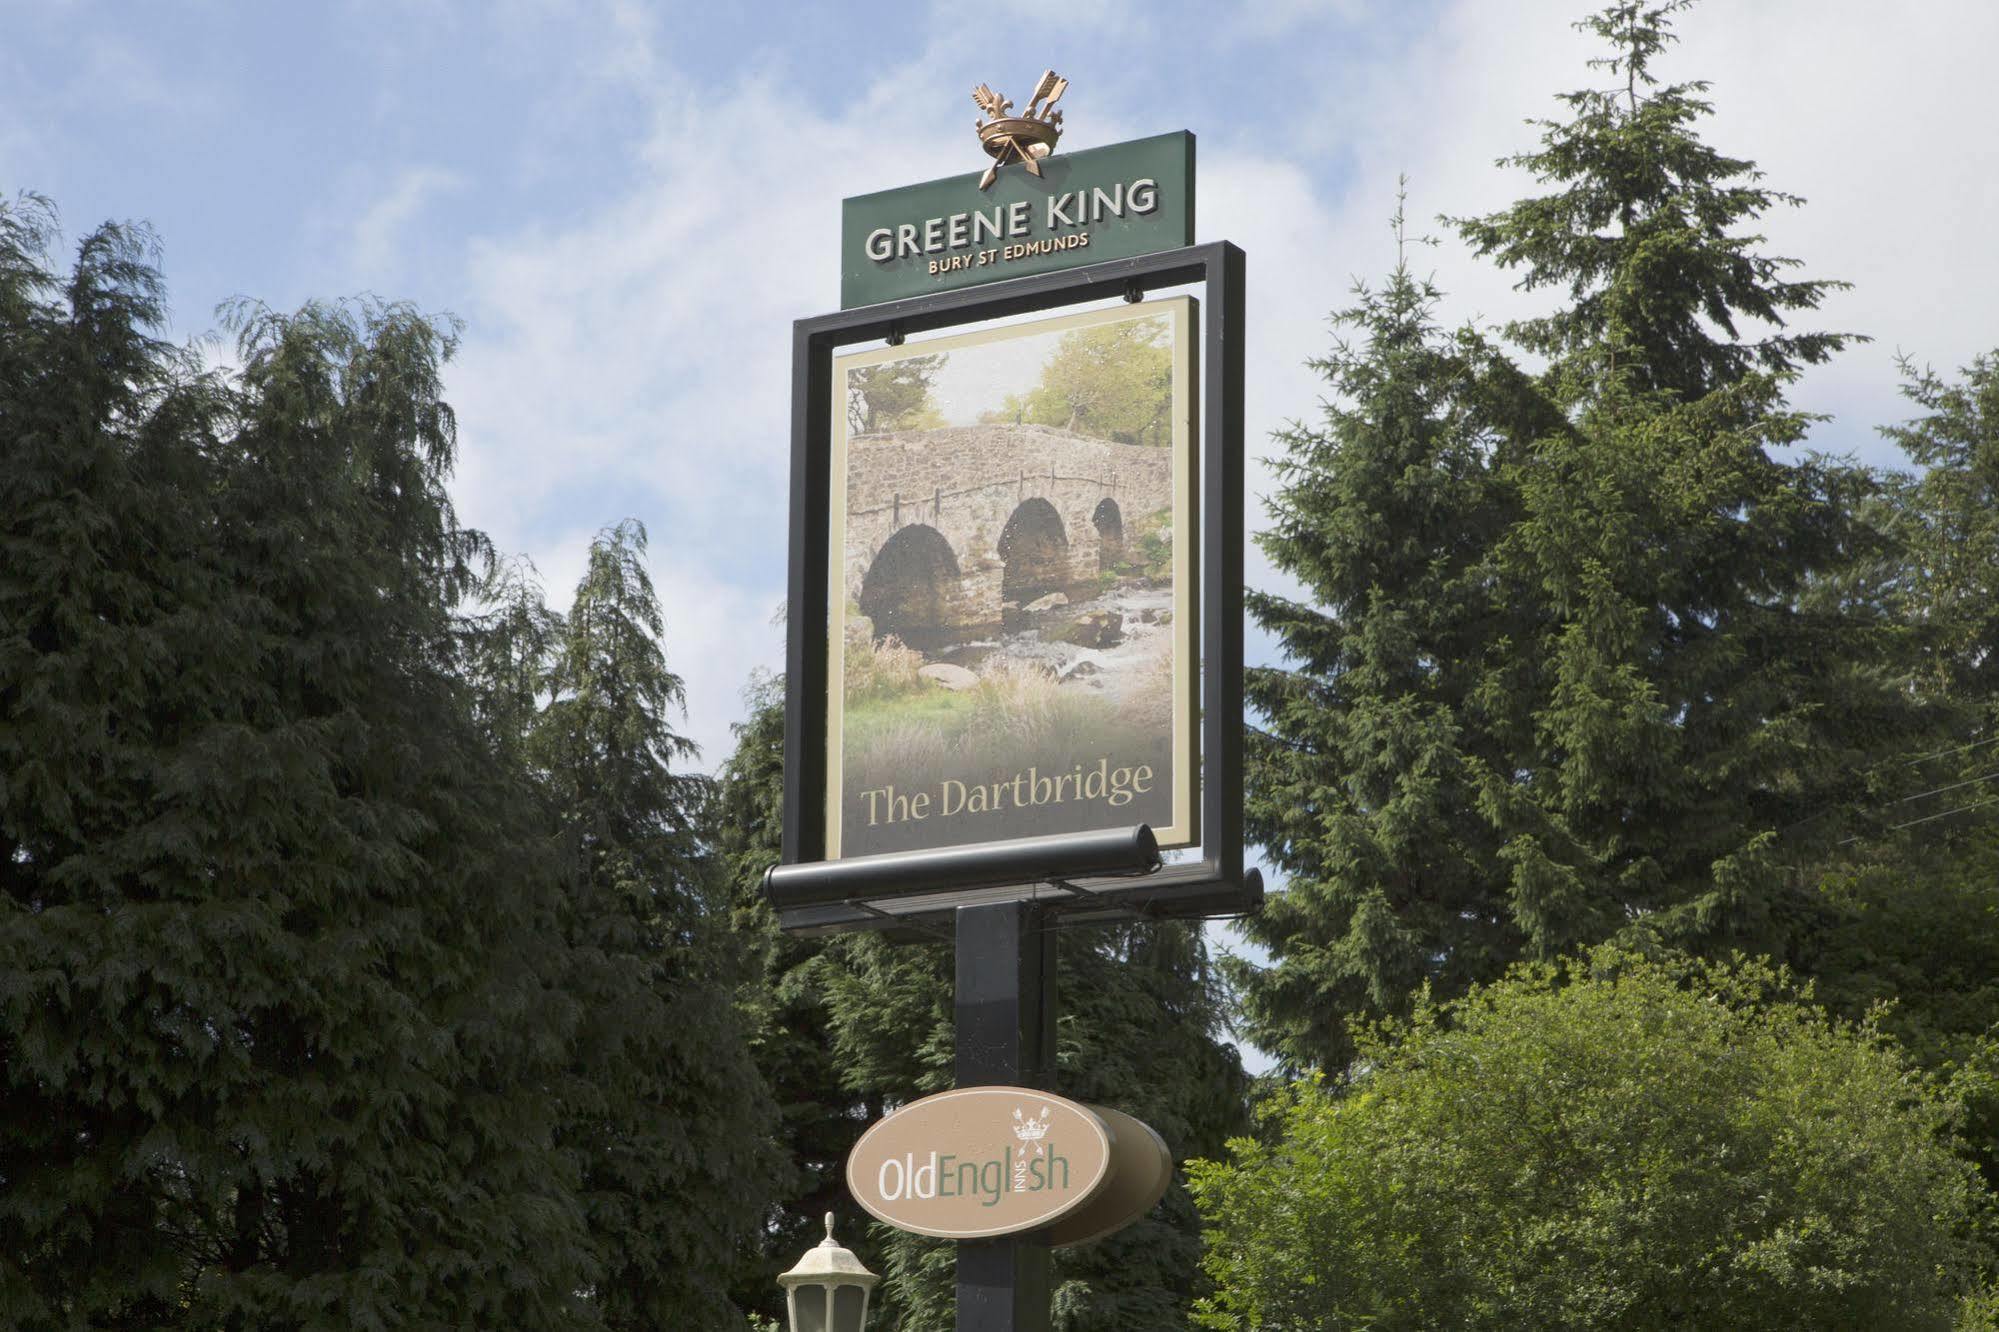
<point x="1562" y="676"/>
<point x="1953" y="528"/>
<point x="320" y="1008"/>
<point x="1910" y="941"/>
<point x="1628" y="1145"/>
<point x="1644" y="235"/>
<point x="276" y="1021"/>
<point x="788" y="1028"/>
<point x="667" y="1116"/>
<point x="1363" y="778"/>
<point x="1911" y="921"/>
<point x="369" y="957"/>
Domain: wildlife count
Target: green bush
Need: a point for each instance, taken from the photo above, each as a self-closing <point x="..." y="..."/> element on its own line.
<point x="1622" y="1144"/>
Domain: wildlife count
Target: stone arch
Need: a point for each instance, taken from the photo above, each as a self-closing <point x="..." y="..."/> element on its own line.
<point x="1035" y="552"/>
<point x="1110" y="534"/>
<point x="908" y="588"/>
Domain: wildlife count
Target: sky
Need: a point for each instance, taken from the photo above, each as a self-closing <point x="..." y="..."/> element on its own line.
<point x="629" y="203"/>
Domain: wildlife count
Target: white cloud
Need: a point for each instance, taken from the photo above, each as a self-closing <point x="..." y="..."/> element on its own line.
<point x="717" y="636"/>
<point x="1876" y="116"/>
<point x="637" y="360"/>
<point x="1882" y="119"/>
<point x="381" y="232"/>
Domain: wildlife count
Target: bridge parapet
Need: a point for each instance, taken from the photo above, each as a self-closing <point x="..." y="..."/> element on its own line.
<point x="968" y="482"/>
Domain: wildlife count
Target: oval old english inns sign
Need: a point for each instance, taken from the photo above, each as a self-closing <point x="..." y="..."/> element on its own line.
<point x="980" y="1161"/>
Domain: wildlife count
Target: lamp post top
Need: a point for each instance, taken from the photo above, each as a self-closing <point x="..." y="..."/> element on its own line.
<point x="829" y="1261"/>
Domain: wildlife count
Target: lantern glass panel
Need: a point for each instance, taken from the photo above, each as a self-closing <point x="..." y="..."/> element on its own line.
<point x="808" y="1309"/>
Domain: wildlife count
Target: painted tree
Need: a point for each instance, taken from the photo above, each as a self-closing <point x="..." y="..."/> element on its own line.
<point x="851" y="1026"/>
<point x="894" y="395"/>
<point x="1575" y="686"/>
<point x="1114" y="381"/>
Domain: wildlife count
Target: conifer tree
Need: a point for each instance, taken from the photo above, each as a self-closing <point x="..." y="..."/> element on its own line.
<point x="818" y="1116"/>
<point x="96" y="576"/>
<point x="668" y="1119"/>
<point x="1952" y="535"/>
<point x="1910" y="923"/>
<point x="1644" y="233"/>
<point x="1362" y="763"/>
<point x="1575" y="686"/>
<point x="359" y="967"/>
<point x="1692" y="700"/>
<point x="275" y="1036"/>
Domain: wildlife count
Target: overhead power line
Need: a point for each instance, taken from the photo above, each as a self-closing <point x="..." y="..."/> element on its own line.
<point x="1961" y="809"/>
<point x="1969" y="781"/>
<point x="1960" y="749"/>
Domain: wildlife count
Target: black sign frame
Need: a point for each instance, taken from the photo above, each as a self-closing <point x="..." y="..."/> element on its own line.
<point x="921" y="891"/>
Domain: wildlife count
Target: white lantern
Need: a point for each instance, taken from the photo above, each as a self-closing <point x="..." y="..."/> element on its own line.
<point x="828" y="1290"/>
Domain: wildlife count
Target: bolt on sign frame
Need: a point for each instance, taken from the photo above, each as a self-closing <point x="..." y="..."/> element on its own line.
<point x="1072" y="878"/>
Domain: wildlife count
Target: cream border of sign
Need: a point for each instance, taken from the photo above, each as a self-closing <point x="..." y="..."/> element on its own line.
<point x="1186" y="527"/>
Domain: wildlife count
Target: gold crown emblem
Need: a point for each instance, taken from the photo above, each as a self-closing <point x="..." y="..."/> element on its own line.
<point x="1025" y="139"/>
<point x="1030" y="1130"/>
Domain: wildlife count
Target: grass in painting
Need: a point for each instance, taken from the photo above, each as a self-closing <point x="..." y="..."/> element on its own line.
<point x="881" y="670"/>
<point x="1016" y="715"/>
<point x="900" y="727"/>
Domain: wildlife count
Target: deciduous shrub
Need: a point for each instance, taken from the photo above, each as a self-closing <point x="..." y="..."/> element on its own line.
<point x="1618" y="1143"/>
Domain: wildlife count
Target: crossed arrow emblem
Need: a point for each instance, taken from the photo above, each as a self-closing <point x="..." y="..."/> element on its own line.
<point x="1025" y="138"/>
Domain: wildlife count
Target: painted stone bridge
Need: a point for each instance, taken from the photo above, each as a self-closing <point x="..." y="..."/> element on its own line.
<point x="948" y="530"/>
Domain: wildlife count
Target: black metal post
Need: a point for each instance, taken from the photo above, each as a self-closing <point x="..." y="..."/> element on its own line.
<point x="1005" y="1012"/>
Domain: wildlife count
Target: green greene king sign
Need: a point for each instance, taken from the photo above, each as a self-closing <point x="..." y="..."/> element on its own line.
<point x="1114" y="202"/>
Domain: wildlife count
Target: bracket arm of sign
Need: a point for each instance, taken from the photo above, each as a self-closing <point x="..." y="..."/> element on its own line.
<point x="1174" y="892"/>
<point x="1112" y="852"/>
<point x="816" y="896"/>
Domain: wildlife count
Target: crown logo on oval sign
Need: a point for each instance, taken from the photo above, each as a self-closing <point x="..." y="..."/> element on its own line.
<point x="1029" y="1129"/>
<point x="1025" y="139"/>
